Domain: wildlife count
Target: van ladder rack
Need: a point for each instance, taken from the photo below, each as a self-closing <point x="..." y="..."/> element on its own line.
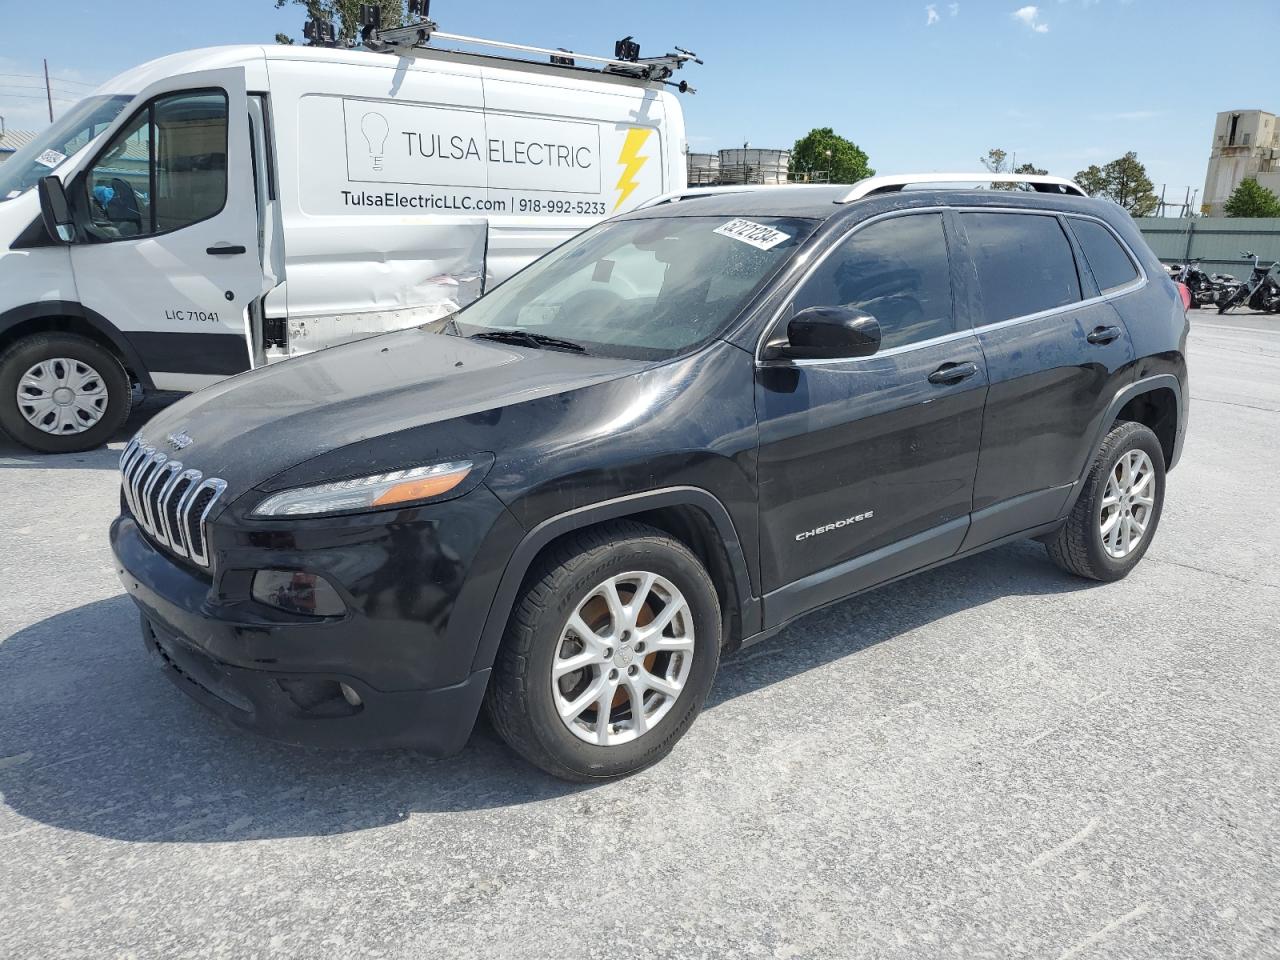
<point x="894" y="182"/>
<point x="411" y="39"/>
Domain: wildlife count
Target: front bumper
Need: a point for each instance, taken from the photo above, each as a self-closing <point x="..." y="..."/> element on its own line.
<point x="406" y="647"/>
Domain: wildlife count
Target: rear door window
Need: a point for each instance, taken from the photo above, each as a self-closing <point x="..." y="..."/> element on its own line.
<point x="1024" y="264"/>
<point x="1111" y="266"/>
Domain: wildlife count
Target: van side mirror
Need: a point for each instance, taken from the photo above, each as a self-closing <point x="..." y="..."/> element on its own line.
<point x="55" y="210"/>
<point x="828" y="333"/>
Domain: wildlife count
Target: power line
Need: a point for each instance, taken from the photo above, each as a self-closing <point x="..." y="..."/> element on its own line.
<point x="32" y="96"/>
<point x="36" y="76"/>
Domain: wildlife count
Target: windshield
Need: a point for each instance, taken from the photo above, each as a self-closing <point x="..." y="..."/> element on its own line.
<point x="641" y="289"/>
<point x="73" y="130"/>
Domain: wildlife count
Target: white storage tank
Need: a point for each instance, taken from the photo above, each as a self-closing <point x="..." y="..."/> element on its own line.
<point x="748" y="165"/>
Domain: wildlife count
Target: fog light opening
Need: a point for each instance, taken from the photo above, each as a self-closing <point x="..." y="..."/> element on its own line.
<point x="349" y="695"/>
<point x="298" y="592"/>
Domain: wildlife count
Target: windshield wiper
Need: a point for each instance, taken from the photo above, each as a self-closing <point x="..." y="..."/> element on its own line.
<point x="527" y="339"/>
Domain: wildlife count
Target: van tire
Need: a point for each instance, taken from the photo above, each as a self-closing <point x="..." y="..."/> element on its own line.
<point x="31" y="351"/>
<point x="521" y="700"/>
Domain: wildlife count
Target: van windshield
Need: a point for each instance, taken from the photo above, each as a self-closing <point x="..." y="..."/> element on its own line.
<point x="71" y="132"/>
<point x="640" y="289"/>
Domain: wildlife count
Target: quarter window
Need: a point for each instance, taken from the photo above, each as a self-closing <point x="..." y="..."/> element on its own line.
<point x="897" y="271"/>
<point x="1024" y="264"/>
<point x="166" y="169"/>
<point x="1111" y="266"/>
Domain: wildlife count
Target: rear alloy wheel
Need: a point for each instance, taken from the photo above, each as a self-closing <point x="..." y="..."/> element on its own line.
<point x="1113" y="520"/>
<point x="609" y="653"/>
<point x="62" y="393"/>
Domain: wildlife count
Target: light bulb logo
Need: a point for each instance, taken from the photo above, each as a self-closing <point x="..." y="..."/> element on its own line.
<point x="374" y="126"/>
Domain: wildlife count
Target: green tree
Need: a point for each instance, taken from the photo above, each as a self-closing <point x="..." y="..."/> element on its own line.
<point x="997" y="161"/>
<point x="1123" y="180"/>
<point x="824" y="150"/>
<point x="345" y="15"/>
<point x="1252" y="199"/>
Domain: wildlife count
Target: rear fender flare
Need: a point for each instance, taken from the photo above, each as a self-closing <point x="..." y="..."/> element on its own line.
<point x="1137" y="388"/>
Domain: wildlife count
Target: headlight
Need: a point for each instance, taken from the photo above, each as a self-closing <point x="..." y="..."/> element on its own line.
<point x="367" y="493"/>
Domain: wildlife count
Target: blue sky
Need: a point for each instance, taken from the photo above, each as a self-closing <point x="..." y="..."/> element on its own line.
<point x="1064" y="83"/>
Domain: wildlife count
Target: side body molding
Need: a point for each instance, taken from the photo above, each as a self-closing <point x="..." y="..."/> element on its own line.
<point x="522" y="558"/>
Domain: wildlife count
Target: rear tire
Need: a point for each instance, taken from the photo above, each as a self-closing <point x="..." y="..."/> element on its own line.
<point x="1125" y="485"/>
<point x="552" y="716"/>
<point x="62" y="393"/>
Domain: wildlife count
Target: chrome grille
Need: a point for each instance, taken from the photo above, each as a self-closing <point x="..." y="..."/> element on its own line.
<point x="170" y="503"/>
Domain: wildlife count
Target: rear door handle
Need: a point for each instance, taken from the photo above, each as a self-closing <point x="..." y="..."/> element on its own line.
<point x="224" y="250"/>
<point x="950" y="373"/>
<point x="1103" y="334"/>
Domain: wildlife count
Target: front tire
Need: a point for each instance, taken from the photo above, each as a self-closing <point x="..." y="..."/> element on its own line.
<point x="62" y="393"/>
<point x="1112" y="523"/>
<point x="609" y="653"/>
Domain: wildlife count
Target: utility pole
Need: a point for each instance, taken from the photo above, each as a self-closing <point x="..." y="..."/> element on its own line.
<point x="47" y="92"/>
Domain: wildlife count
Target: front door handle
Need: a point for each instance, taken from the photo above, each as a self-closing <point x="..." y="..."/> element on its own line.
<point x="1103" y="334"/>
<point x="950" y="373"/>
<point x="224" y="250"/>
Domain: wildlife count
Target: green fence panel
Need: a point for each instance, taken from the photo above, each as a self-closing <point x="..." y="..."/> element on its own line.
<point x="1216" y="241"/>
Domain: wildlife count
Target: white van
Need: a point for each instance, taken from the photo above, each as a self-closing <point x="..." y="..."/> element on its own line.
<point x="216" y="210"/>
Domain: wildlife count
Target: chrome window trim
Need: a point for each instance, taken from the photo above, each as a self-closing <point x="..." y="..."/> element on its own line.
<point x="1113" y="294"/>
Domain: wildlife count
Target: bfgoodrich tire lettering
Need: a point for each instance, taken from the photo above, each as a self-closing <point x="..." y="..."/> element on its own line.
<point x="1080" y="547"/>
<point x="63" y="349"/>
<point x="521" y="701"/>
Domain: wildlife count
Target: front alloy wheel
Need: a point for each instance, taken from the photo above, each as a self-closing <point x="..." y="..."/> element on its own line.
<point x="609" y="653"/>
<point x="623" y="658"/>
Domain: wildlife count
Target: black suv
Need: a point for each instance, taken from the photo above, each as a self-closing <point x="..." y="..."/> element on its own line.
<point x="664" y="440"/>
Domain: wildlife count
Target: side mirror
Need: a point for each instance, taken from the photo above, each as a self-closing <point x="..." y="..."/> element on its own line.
<point x="828" y="333"/>
<point x="55" y="210"/>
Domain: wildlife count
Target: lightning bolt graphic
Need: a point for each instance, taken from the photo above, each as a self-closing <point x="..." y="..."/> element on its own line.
<point x="631" y="164"/>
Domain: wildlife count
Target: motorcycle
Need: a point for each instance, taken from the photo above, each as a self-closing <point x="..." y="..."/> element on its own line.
<point x="1204" y="290"/>
<point x="1260" y="292"/>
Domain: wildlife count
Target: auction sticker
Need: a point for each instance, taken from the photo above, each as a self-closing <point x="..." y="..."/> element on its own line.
<point x="756" y="234"/>
<point x="50" y="158"/>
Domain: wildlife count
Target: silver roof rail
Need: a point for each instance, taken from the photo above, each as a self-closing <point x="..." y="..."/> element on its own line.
<point x="893" y="182"/>
<point x="690" y="193"/>
<point x="414" y="39"/>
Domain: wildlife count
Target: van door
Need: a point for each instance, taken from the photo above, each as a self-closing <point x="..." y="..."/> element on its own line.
<point x="168" y="229"/>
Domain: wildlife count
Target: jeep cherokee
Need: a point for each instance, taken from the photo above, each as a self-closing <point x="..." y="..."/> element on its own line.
<point x="664" y="440"/>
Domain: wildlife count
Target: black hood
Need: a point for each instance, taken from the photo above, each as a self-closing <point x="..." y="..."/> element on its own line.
<point x="255" y="426"/>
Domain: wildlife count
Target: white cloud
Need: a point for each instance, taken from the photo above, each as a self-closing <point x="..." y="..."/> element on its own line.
<point x="953" y="9"/>
<point x="931" y="15"/>
<point x="1030" y="16"/>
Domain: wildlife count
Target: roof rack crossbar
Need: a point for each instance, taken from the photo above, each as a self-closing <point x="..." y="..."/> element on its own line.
<point x="894" y="182"/>
<point x="414" y="38"/>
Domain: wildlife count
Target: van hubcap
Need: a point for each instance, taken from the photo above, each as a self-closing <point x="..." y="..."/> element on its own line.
<point x="1127" y="502"/>
<point x="622" y="658"/>
<point x="62" y="396"/>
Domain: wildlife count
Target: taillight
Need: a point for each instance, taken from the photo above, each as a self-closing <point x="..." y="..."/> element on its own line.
<point x="1186" y="294"/>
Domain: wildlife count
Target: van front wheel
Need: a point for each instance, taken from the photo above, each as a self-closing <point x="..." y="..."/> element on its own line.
<point x="62" y="393"/>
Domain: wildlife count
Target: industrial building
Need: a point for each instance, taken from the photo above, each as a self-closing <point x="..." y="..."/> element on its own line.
<point x="1246" y="144"/>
